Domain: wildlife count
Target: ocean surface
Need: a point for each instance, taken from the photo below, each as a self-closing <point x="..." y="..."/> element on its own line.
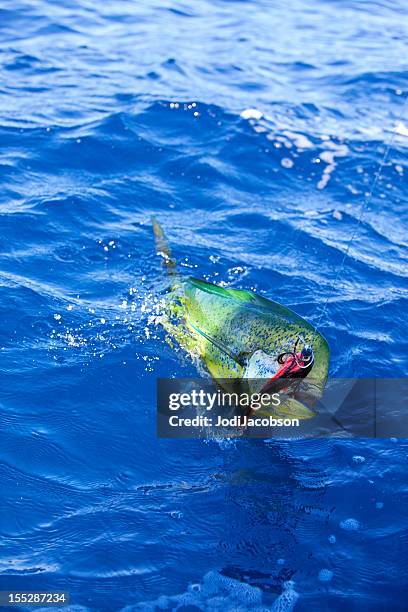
<point x="270" y="140"/>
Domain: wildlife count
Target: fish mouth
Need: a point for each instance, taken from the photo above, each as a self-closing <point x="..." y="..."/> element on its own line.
<point x="294" y="365"/>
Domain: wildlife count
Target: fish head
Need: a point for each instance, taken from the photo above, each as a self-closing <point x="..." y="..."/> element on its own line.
<point x="241" y="335"/>
<point x="305" y="355"/>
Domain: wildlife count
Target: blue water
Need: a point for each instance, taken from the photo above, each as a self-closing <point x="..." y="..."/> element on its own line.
<point x="255" y="132"/>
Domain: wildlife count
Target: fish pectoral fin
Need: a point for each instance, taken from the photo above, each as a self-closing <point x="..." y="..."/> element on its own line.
<point x="216" y="342"/>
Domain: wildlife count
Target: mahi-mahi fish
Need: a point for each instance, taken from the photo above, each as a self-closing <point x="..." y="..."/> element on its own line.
<point x="240" y="336"/>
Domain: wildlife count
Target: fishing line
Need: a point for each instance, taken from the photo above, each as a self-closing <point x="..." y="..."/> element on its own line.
<point x="366" y="202"/>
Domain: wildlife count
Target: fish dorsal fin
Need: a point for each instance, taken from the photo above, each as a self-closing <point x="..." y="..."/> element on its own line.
<point x="246" y="299"/>
<point x="238" y="295"/>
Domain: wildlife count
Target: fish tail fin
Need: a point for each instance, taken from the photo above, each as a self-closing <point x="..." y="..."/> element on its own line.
<point x="162" y="247"/>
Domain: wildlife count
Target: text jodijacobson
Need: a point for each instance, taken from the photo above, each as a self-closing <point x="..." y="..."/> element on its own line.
<point x="235" y="421"/>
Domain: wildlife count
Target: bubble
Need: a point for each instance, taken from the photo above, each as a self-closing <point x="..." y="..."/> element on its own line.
<point x="350" y="524"/>
<point x="286" y="162"/>
<point x="332" y="539"/>
<point x="358" y="459"/>
<point x="325" y="575"/>
<point x="57" y="317"/>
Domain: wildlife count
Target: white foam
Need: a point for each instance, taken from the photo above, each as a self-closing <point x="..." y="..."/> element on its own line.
<point x="350" y="524"/>
<point x="287" y="600"/>
<point x="217" y="593"/>
<point x="358" y="459"/>
<point x="251" y="113"/>
<point x="329" y="155"/>
<point x="401" y="129"/>
<point x="299" y="140"/>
